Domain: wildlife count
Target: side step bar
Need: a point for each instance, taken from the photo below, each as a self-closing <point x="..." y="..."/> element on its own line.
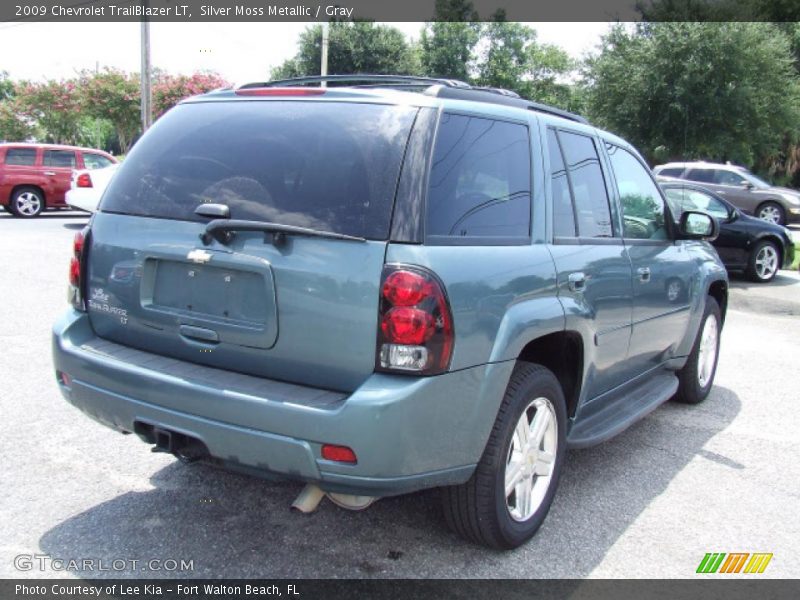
<point x="623" y="412"/>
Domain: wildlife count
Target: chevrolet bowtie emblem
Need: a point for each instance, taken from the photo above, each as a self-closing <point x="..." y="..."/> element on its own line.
<point x="199" y="256"/>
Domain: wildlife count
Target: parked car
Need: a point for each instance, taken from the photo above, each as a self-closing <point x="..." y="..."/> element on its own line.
<point x="745" y="243"/>
<point x="740" y="187"/>
<point x="34" y="177"/>
<point x="376" y="290"/>
<point x="87" y="187"/>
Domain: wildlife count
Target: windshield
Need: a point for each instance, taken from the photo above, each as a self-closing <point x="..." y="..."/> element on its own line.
<point x="321" y="165"/>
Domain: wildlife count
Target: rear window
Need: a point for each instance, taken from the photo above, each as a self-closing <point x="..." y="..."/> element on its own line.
<point x="59" y="158"/>
<point x="95" y="161"/>
<point x="323" y="165"/>
<point x="21" y="156"/>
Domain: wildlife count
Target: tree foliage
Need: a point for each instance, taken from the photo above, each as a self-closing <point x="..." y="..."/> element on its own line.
<point x="114" y="96"/>
<point x="447" y="44"/>
<point x="353" y="47"/>
<point x="724" y="91"/>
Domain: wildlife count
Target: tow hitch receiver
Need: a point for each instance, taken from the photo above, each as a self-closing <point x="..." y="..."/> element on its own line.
<point x="186" y="448"/>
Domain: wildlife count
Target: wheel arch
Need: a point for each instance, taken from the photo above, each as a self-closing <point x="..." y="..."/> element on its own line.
<point x="719" y="291"/>
<point x="38" y="188"/>
<point x="562" y="353"/>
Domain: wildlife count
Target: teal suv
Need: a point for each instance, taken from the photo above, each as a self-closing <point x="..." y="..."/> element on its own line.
<point x="387" y="284"/>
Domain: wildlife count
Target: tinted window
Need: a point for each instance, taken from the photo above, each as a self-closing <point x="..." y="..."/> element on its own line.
<point x="588" y="185"/>
<point x="723" y="177"/>
<point x="641" y="203"/>
<point x="671" y="172"/>
<point x="563" y="215"/>
<point x="21" y="156"/>
<point x="95" y="161"/>
<point x="681" y="200"/>
<point x="327" y="166"/>
<point x="704" y="175"/>
<point x="59" y="158"/>
<point x="480" y="179"/>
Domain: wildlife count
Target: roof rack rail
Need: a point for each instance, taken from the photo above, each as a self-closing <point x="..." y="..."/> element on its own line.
<point x="493" y="96"/>
<point x="433" y="86"/>
<point x="365" y="78"/>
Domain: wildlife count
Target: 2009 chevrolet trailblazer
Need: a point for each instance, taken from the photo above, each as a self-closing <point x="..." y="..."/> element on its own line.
<point x="385" y="286"/>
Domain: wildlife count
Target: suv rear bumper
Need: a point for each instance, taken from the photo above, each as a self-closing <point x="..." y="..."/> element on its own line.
<point x="408" y="433"/>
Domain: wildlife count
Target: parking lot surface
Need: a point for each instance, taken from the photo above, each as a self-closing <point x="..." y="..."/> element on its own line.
<point x="723" y="476"/>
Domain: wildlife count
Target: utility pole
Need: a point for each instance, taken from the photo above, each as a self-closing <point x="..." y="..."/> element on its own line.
<point x="323" y="69"/>
<point x="147" y="97"/>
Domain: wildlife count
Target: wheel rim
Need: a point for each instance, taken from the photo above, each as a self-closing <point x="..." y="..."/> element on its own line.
<point x="531" y="459"/>
<point x="28" y="204"/>
<point x="766" y="262"/>
<point x="707" y="357"/>
<point x="771" y="214"/>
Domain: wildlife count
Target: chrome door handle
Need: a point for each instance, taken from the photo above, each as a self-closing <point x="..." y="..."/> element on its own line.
<point x="644" y="274"/>
<point x="577" y="282"/>
<point x="49" y="172"/>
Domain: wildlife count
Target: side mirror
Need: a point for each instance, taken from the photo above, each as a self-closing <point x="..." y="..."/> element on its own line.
<point x="695" y="225"/>
<point x="748" y="185"/>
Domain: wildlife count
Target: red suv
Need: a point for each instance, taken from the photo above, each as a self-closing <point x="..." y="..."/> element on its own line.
<point x="36" y="176"/>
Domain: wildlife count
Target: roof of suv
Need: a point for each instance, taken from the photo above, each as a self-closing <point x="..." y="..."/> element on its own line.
<point x="701" y="164"/>
<point x="400" y="88"/>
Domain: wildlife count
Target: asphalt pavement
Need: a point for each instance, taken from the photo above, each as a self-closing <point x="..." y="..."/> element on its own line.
<point x="723" y="476"/>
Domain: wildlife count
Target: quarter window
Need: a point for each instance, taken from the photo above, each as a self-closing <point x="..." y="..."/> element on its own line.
<point x="642" y="204"/>
<point x="588" y="186"/>
<point x="59" y="158"/>
<point x="480" y="179"/>
<point x="21" y="156"/>
<point x="723" y="177"/>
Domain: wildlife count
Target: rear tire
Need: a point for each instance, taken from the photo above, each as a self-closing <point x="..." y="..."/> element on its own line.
<point x="27" y="202"/>
<point x="696" y="378"/>
<point x="763" y="262"/>
<point x="527" y="463"/>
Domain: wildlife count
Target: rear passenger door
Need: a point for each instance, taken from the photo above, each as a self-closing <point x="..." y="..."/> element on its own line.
<point x="57" y="166"/>
<point x="594" y="269"/>
<point x="663" y="270"/>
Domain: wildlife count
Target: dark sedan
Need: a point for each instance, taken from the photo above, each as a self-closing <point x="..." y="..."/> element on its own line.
<point x="745" y="243"/>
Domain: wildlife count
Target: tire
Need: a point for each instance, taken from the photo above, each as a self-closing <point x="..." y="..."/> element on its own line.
<point x="763" y="262"/>
<point x="771" y="212"/>
<point x="696" y="378"/>
<point x="27" y="202"/>
<point x="479" y="510"/>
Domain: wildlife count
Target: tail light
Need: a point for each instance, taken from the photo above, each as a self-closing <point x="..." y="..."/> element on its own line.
<point x="77" y="269"/>
<point x="415" y="333"/>
<point x="83" y="181"/>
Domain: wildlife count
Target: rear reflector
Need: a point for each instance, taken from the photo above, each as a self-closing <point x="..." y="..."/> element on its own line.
<point x="287" y="91"/>
<point x="63" y="378"/>
<point x="338" y="454"/>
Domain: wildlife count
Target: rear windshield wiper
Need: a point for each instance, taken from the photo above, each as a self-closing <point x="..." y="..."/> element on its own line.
<point x="222" y="231"/>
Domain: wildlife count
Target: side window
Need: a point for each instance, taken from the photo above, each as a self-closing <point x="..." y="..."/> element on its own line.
<point x="724" y="177"/>
<point x="676" y="198"/>
<point x="642" y="205"/>
<point x="588" y="185"/>
<point x="95" y="161"/>
<point x="480" y="181"/>
<point x="697" y="200"/>
<point x="563" y="216"/>
<point x="59" y="158"/>
<point x="701" y="175"/>
<point x="671" y="172"/>
<point x="21" y="156"/>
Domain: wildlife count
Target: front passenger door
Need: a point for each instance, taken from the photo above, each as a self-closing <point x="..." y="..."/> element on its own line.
<point x="663" y="270"/>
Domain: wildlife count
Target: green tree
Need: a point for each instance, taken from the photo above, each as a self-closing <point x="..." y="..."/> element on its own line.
<point x="447" y="45"/>
<point x="53" y="107"/>
<point x="724" y="91"/>
<point x="112" y="96"/>
<point x="513" y="59"/>
<point x="353" y="47"/>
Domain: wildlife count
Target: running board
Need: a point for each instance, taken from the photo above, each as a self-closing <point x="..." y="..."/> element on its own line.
<point x="623" y="412"/>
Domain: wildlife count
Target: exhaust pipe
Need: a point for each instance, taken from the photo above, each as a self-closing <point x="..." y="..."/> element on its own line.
<point x="308" y="500"/>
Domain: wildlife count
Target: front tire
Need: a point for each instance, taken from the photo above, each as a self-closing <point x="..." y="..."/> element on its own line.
<point x="697" y="376"/>
<point x="771" y="212"/>
<point x="508" y="497"/>
<point x="763" y="262"/>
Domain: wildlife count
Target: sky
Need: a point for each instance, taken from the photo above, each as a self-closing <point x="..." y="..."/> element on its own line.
<point x="240" y="52"/>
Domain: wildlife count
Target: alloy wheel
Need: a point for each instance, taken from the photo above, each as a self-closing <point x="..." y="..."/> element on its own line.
<point x="707" y="356"/>
<point x="766" y="262"/>
<point x="28" y="204"/>
<point x="770" y="214"/>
